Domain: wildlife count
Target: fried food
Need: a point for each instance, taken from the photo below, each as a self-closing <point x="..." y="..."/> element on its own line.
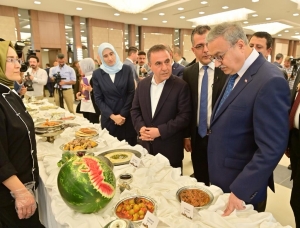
<point x="86" y="132"/>
<point x="195" y="197"/>
<point x="79" y="144"/>
<point x="48" y="123"/>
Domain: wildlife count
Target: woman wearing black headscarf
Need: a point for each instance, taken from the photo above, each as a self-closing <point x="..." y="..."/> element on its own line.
<point x="19" y="174"/>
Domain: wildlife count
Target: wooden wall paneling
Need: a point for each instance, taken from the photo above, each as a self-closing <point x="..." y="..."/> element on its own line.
<point x="89" y="33"/>
<point x="291" y="47"/>
<point x="131" y="35"/>
<point x="62" y="35"/>
<point x="8" y="24"/>
<point x="76" y="36"/>
<point x="35" y="33"/>
<point x="7" y="11"/>
<point x="17" y="23"/>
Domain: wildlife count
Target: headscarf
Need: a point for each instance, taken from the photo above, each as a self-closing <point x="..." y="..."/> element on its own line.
<point x="87" y="66"/>
<point x="3" y="53"/>
<point x="109" y="69"/>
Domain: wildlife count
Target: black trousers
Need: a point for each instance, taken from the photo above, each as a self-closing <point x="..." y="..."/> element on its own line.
<point x="199" y="158"/>
<point x="294" y="145"/>
<point x="9" y="218"/>
<point x="92" y="117"/>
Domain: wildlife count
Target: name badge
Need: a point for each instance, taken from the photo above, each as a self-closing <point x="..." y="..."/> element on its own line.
<point x="135" y="161"/>
<point x="187" y="210"/>
<point x="150" y="221"/>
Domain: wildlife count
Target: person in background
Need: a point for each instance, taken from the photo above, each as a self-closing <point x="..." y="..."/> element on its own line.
<point x="70" y="79"/>
<point x="97" y="65"/>
<point x="142" y="66"/>
<point x="87" y="104"/>
<point x="19" y="86"/>
<point x="19" y="174"/>
<point x="178" y="57"/>
<point x="161" y="109"/>
<point x="38" y="76"/>
<point x="78" y="73"/>
<point x="249" y="126"/>
<point x="278" y="60"/>
<point x="49" y="84"/>
<point x="131" y="60"/>
<point x="113" y="87"/>
<point x="289" y="70"/>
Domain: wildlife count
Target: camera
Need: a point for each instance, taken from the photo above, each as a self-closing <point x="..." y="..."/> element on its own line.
<point x="294" y="64"/>
<point x="294" y="61"/>
<point x="28" y="82"/>
<point x="57" y="78"/>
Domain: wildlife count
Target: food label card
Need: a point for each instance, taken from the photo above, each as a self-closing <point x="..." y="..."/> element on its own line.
<point x="135" y="161"/>
<point x="150" y="221"/>
<point x="187" y="210"/>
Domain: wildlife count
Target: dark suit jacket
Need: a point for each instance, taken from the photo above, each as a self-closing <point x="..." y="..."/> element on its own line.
<point x="115" y="98"/>
<point x="190" y="75"/>
<point x="171" y="116"/>
<point x="249" y="133"/>
<point x="133" y="68"/>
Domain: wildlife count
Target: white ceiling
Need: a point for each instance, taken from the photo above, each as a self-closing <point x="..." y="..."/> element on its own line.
<point x="278" y="10"/>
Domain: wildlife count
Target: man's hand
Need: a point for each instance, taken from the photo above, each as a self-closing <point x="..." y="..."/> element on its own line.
<point x="22" y="91"/>
<point x="233" y="203"/>
<point x="149" y="133"/>
<point x="62" y="83"/>
<point x="31" y="77"/>
<point x="187" y="144"/>
<point x="118" y="119"/>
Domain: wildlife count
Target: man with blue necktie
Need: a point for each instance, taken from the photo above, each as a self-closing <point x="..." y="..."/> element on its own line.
<point x="249" y="125"/>
<point x="206" y="83"/>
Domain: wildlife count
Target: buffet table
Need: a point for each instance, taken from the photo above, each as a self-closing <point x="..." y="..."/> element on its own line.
<point x="155" y="178"/>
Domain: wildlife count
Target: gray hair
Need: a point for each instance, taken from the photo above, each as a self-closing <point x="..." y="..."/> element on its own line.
<point x="230" y="31"/>
<point x="87" y="65"/>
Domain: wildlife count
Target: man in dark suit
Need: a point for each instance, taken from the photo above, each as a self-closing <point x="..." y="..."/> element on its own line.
<point x="249" y="126"/>
<point x="161" y="108"/>
<point x="131" y="61"/>
<point x="194" y="75"/>
<point x="177" y="56"/>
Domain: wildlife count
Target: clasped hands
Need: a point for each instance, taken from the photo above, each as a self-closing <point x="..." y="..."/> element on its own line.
<point x="149" y="133"/>
<point x="118" y="119"/>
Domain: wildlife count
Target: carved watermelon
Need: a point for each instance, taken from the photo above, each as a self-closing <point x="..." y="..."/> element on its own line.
<point x="86" y="184"/>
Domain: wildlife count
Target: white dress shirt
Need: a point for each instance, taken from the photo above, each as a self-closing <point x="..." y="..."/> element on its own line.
<point x="296" y="119"/>
<point x="155" y="93"/>
<point x="112" y="77"/>
<point x="211" y="73"/>
<point x="40" y="79"/>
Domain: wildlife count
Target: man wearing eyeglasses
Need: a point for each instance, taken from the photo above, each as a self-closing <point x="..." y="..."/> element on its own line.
<point x="249" y="125"/>
<point x="202" y="73"/>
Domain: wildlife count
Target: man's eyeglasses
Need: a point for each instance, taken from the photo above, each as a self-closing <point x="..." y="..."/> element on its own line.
<point x="199" y="46"/>
<point x="219" y="57"/>
<point x="14" y="61"/>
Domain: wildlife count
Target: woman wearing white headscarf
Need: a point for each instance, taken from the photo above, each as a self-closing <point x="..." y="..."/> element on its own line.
<point x="113" y="91"/>
<point x="87" y="104"/>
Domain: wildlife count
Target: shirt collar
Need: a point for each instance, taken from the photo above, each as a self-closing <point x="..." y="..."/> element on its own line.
<point x="251" y="58"/>
<point x="129" y="60"/>
<point x="211" y="65"/>
<point x="154" y="82"/>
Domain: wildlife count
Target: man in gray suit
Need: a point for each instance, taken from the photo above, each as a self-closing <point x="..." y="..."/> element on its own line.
<point x="177" y="56"/>
<point x="131" y="61"/>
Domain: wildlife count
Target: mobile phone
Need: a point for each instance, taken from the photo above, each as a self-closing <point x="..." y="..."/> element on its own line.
<point x="85" y="81"/>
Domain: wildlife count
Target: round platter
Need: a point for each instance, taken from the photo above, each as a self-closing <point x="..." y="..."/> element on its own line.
<point x="120" y="156"/>
<point x="202" y="189"/>
<point x="44" y="125"/>
<point x="83" y="142"/>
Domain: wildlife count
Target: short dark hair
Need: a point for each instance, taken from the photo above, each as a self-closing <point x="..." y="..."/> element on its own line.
<point x="200" y="30"/>
<point x="156" y="48"/>
<point x="265" y="35"/>
<point x="60" y="56"/>
<point x="33" y="57"/>
<point x="47" y="64"/>
<point x="132" y="50"/>
<point x="279" y="56"/>
<point x="142" y="53"/>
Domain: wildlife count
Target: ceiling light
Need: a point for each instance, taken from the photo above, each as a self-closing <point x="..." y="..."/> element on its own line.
<point x="145" y="18"/>
<point x="254" y="15"/>
<point x="161" y="14"/>
<point x="117" y="14"/>
<point x="286" y="30"/>
<point x="279" y="35"/>
<point x="255" y="0"/>
<point x="67" y="27"/>
<point x="182" y="17"/>
<point x="201" y="12"/>
<point x="82" y="23"/>
<point x="296" y="14"/>
<point x="82" y="31"/>
<point x="131" y="6"/>
<point x="19" y="15"/>
<point x="26" y="27"/>
<point x="297" y="33"/>
<point x="164" y="21"/>
<point x="66" y="33"/>
<point x="180" y="8"/>
<point x="176" y="30"/>
<point x="193" y="26"/>
<point x="203" y="2"/>
<point x="78" y="8"/>
<point x="298" y="2"/>
<point x="268" y="18"/>
<point x="297" y="37"/>
<point x="228" y="16"/>
<point x="225" y="7"/>
<point x="272" y="27"/>
<point x="37" y="2"/>
<point x="137" y="35"/>
<point x="245" y="22"/>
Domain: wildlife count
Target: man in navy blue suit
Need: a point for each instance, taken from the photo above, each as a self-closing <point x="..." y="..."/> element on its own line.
<point x="249" y="125"/>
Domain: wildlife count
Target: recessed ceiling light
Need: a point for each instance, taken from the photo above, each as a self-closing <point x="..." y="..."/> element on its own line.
<point x="254" y="15"/>
<point x="176" y="30"/>
<point x="245" y="22"/>
<point x="145" y="18"/>
<point x="255" y="0"/>
<point x="286" y="30"/>
<point x="66" y="33"/>
<point x="161" y="14"/>
<point x="201" y="12"/>
<point x="111" y="29"/>
<point x="117" y="14"/>
<point x="203" y="2"/>
<point x="225" y="7"/>
<point x="297" y="33"/>
<point x="268" y="18"/>
<point x="279" y="35"/>
<point x="164" y="21"/>
<point x="37" y="2"/>
<point x="182" y="17"/>
<point x="180" y="8"/>
<point x="193" y="26"/>
<point x="296" y="14"/>
<point x="78" y="8"/>
<point x="137" y="35"/>
<point x="19" y="15"/>
<point x="270" y="27"/>
<point x="82" y="23"/>
<point x="82" y="31"/>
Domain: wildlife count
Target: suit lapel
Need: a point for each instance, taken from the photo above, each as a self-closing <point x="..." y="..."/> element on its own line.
<point x="148" y="98"/>
<point x="113" y="85"/>
<point x="165" y="93"/>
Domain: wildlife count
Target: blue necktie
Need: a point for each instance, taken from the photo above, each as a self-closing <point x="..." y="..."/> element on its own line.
<point x="202" y="128"/>
<point x="228" y="89"/>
